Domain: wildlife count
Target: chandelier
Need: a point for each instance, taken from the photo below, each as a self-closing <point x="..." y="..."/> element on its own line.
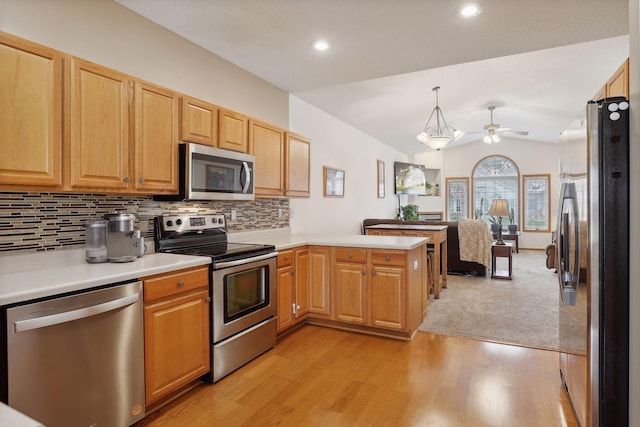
<point x="438" y="134"/>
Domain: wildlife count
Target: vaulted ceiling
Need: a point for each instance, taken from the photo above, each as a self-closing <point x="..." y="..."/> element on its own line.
<point x="537" y="61"/>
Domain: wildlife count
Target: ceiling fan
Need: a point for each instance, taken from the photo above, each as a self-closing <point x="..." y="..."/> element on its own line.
<point x="493" y="130"/>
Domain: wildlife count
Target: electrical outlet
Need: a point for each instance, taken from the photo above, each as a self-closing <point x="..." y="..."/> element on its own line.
<point x="279" y="213"/>
<point x="416" y="265"/>
<point x="234" y="215"/>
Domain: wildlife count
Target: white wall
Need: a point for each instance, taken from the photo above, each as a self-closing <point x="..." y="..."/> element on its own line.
<point x="339" y="145"/>
<point x="106" y="33"/>
<point x="532" y="158"/>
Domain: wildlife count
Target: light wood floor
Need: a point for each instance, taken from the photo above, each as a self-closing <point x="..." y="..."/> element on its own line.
<point x="323" y="377"/>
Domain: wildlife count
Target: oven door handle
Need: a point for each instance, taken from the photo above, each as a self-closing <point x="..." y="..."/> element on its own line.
<point x="227" y="264"/>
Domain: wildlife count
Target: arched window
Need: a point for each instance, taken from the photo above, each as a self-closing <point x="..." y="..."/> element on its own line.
<point x="495" y="177"/>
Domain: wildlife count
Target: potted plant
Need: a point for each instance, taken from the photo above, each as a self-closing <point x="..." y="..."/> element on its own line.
<point x="495" y="227"/>
<point x="512" y="227"/>
<point x="410" y="212"/>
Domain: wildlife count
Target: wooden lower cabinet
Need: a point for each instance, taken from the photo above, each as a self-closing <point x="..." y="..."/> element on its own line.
<point x="176" y="331"/>
<point x="379" y="288"/>
<point x="292" y="287"/>
<point x="319" y="281"/>
<point x="388" y="297"/>
<point x="369" y="290"/>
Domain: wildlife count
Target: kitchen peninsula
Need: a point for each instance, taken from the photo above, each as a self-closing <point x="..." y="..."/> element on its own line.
<point x="368" y="284"/>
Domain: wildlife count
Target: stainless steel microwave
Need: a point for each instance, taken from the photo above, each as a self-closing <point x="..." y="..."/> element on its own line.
<point x="207" y="173"/>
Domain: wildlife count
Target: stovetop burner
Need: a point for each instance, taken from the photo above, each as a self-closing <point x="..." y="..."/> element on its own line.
<point x="204" y="235"/>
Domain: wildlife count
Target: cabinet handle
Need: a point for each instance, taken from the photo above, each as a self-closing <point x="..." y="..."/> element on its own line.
<point x="388" y="258"/>
<point x="293" y="308"/>
<point x="373" y="273"/>
<point x="364" y="272"/>
<point x="207" y="299"/>
<point x="181" y="283"/>
<point x="125" y="179"/>
<point x="140" y="180"/>
<point x="349" y="256"/>
<point x="293" y="273"/>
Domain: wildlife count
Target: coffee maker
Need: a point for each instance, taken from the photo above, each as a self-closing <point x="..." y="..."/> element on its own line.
<point x="124" y="243"/>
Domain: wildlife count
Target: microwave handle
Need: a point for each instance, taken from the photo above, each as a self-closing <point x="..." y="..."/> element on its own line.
<point x="247" y="176"/>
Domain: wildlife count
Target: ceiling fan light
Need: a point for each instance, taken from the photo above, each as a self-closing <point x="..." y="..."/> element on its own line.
<point x="486" y="139"/>
<point x="495" y="138"/>
<point x="423" y="137"/>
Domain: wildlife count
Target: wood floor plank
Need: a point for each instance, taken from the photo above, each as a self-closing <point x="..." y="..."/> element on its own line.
<point x="323" y="377"/>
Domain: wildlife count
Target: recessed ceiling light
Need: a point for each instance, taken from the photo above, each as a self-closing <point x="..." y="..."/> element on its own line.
<point x="320" y="45"/>
<point x="470" y="11"/>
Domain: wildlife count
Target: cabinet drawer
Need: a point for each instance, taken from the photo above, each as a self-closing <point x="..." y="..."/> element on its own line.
<point x="177" y="282"/>
<point x="284" y="258"/>
<point x="351" y="255"/>
<point x="387" y="258"/>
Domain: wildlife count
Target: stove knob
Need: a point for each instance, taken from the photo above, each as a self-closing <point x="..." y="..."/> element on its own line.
<point x="169" y="223"/>
<point x="178" y="222"/>
<point x="220" y="221"/>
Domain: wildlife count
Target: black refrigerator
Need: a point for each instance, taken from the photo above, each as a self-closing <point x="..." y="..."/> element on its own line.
<point x="592" y="240"/>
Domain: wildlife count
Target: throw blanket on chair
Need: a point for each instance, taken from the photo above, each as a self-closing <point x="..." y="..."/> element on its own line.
<point x="475" y="241"/>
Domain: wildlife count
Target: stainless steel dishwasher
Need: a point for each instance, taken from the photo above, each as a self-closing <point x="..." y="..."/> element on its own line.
<point x="78" y="360"/>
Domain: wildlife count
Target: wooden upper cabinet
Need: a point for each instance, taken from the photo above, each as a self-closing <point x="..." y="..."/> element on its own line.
<point x="98" y="127"/>
<point x="198" y="121"/>
<point x="156" y="138"/>
<point x="30" y="113"/>
<point x="266" y="143"/>
<point x="298" y="163"/>
<point x="618" y="84"/>
<point x="233" y="131"/>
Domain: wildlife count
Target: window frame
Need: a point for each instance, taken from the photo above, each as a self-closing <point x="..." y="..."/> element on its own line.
<point x="487" y="205"/>
<point x="458" y="180"/>
<point x="525" y="201"/>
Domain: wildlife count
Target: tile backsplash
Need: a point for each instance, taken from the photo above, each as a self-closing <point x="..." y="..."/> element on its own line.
<point x="34" y="221"/>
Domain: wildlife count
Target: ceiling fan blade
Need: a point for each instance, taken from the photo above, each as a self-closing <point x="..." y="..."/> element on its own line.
<point x="507" y="131"/>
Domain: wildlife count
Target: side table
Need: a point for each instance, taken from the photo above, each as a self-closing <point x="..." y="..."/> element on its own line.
<point x="501" y="251"/>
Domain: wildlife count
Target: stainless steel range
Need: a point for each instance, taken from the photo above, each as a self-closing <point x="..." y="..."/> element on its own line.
<point x="243" y="286"/>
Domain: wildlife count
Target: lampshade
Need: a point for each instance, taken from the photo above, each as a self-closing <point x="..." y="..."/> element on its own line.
<point x="438" y="134"/>
<point x="499" y="207"/>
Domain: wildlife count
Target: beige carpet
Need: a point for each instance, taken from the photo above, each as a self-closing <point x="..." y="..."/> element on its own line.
<point x="522" y="311"/>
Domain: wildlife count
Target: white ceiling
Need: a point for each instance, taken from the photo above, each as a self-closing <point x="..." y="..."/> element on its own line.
<point x="538" y="61"/>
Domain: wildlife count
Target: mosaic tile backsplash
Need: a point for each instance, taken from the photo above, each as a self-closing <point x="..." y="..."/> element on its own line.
<point x="31" y="222"/>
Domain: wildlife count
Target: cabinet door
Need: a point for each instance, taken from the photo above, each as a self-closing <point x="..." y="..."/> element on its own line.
<point x="177" y="346"/>
<point x="31" y="113"/>
<point x="388" y="297"/>
<point x="286" y="297"/>
<point x="233" y="131"/>
<point x="618" y="84"/>
<point x="351" y="293"/>
<point x="99" y="128"/>
<point x="266" y="143"/>
<point x="302" y="282"/>
<point x="198" y="121"/>
<point x="156" y="139"/>
<point x="319" y="289"/>
<point x="298" y="158"/>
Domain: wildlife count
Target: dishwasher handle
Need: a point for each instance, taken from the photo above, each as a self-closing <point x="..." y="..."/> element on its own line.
<point x="68" y="316"/>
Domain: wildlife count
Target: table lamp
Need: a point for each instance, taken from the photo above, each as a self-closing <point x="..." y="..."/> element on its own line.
<point x="499" y="208"/>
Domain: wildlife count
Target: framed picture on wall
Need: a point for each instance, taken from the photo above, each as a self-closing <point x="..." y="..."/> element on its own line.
<point x="333" y="182"/>
<point x="535" y="195"/>
<point x="380" y="179"/>
<point x="457" y="198"/>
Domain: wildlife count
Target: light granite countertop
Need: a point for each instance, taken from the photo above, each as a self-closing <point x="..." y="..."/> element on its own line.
<point x="285" y="241"/>
<point x="45" y="274"/>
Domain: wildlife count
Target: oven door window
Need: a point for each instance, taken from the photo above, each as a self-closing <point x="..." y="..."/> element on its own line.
<point x="220" y="175"/>
<point x="245" y="292"/>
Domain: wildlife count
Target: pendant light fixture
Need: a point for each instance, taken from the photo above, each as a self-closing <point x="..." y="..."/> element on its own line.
<point x="438" y="134"/>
